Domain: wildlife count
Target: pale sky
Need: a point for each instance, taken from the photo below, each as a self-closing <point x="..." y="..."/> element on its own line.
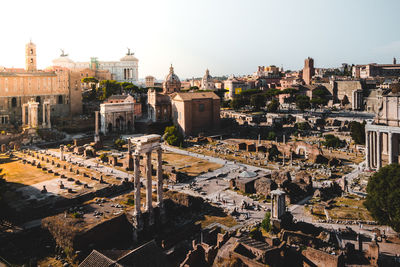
<point x="228" y="37"/>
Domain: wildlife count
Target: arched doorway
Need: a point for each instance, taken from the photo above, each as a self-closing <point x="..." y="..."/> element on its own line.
<point x="110" y="127"/>
<point x="129" y="126"/>
<point x="120" y="124"/>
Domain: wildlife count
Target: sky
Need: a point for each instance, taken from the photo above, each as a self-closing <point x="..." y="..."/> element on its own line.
<point x="227" y="37"/>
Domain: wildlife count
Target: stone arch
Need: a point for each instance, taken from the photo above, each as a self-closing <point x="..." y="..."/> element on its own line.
<point x="302" y="150"/>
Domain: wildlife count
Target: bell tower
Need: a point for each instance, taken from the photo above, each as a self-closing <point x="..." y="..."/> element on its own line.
<point x="30" y="57"/>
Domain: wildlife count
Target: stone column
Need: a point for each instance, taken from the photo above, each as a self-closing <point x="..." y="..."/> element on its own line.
<point x="96" y="129"/>
<point x="34" y="114"/>
<point x="149" y="199"/>
<point x="378" y="150"/>
<point x="23" y="114"/>
<point x="61" y="152"/>
<point x="48" y="115"/>
<point x="390" y="147"/>
<point x="29" y="116"/>
<point x="372" y="149"/>
<point x="159" y="179"/>
<point x="44" y="115"/>
<point x="367" y="154"/>
<point x="138" y="211"/>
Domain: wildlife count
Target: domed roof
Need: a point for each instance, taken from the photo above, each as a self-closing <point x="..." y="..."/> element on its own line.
<point x="207" y="76"/>
<point x="129" y="56"/>
<point x="171" y="77"/>
<point x="247" y="174"/>
<point x="62" y="60"/>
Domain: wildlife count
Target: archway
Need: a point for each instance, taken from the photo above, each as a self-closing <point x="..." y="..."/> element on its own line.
<point x="129" y="126"/>
<point x="110" y="127"/>
<point x="301" y="151"/>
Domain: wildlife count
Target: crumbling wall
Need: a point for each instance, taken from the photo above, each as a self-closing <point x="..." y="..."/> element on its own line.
<point x="313" y="257"/>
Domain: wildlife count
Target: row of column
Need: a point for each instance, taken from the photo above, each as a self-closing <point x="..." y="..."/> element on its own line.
<point x="32" y="110"/>
<point x="128" y="74"/>
<point x="373" y="148"/>
<point x="32" y="119"/>
<point x="149" y="200"/>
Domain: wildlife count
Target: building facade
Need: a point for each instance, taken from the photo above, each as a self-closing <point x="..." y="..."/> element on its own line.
<point x="207" y="82"/>
<point x="124" y="70"/>
<point x="383" y="134"/>
<point x="58" y="86"/>
<point x="195" y="113"/>
<point x="118" y="113"/>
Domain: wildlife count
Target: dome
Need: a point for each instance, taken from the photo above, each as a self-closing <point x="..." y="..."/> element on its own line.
<point x="63" y="60"/>
<point x="171" y="77"/>
<point x="207" y="76"/>
<point x="129" y="58"/>
<point x="247" y="174"/>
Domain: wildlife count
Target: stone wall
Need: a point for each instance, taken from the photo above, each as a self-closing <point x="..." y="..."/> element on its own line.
<point x="313" y="257"/>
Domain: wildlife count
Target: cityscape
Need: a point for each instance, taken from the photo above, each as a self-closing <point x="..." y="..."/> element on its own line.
<point x="180" y="144"/>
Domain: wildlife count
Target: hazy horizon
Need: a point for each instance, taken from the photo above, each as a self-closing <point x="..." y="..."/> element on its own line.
<point x="227" y="37"/>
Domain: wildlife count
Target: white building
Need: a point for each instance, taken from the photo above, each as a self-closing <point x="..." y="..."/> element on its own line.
<point x="124" y="70"/>
<point x="207" y="82"/>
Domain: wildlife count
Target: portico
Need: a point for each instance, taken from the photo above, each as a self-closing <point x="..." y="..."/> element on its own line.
<point x="381" y="140"/>
<point x="144" y="145"/>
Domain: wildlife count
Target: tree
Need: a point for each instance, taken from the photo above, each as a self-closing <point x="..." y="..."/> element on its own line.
<point x="302" y="126"/>
<point x="273" y="105"/>
<point x="273" y="153"/>
<point x="333" y="141"/>
<point x="357" y="132"/>
<point x="119" y="143"/>
<point x="266" y="223"/>
<point x="257" y="101"/>
<point x="271" y="135"/>
<point x="173" y="136"/>
<point x="302" y="102"/>
<point x="383" y="199"/>
<point x="109" y="87"/>
<point x="236" y="103"/>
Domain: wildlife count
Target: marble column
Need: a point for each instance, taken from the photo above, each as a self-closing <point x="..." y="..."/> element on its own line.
<point x="372" y="144"/>
<point x="23" y="114"/>
<point x="44" y="115"/>
<point x="159" y="179"/>
<point x="136" y="177"/>
<point x="390" y="147"/>
<point x="149" y="198"/>
<point x="48" y="115"/>
<point x="96" y="129"/>
<point x="61" y="152"/>
<point x="367" y="154"/>
<point x="378" y="150"/>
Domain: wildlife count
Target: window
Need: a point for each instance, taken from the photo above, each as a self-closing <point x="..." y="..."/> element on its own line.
<point x="13" y="102"/>
<point x="31" y="51"/>
<point x="31" y="60"/>
<point x="201" y="107"/>
<point x="60" y="99"/>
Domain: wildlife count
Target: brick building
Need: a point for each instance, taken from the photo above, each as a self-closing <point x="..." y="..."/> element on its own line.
<point x="196" y="112"/>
